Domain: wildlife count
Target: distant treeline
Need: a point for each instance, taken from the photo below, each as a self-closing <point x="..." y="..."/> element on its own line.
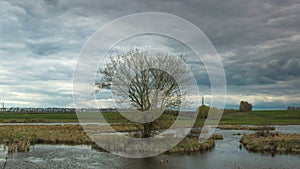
<point x="67" y="110"/>
<point x="245" y="106"/>
<point x="293" y="108"/>
<point x="53" y="110"/>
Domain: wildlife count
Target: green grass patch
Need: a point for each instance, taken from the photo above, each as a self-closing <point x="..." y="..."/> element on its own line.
<point x="266" y="117"/>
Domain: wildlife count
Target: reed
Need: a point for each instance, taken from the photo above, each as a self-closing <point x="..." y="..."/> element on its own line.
<point x="20" y="137"/>
<point x="239" y="127"/>
<point x="272" y="142"/>
<point x="18" y="146"/>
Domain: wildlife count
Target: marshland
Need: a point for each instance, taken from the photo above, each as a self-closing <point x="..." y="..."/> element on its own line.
<point x="27" y="141"/>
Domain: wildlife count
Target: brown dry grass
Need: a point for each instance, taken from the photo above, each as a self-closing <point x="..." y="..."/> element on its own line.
<point x="74" y="134"/>
<point x="271" y="142"/>
<point x="239" y="127"/>
<point x="67" y="134"/>
<point x="193" y="145"/>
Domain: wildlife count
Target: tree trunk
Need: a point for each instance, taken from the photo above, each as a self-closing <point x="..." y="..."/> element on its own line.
<point x="147" y="130"/>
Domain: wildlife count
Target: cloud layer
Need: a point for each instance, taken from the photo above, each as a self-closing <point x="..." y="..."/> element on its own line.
<point x="258" y="42"/>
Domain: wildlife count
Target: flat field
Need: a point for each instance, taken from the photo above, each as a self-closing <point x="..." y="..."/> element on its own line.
<point x="265" y="117"/>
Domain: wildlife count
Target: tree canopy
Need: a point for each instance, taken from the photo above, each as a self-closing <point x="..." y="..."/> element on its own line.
<point x="144" y="82"/>
<point x="245" y="106"/>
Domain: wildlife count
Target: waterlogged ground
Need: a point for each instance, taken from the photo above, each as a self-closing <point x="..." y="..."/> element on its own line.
<point x="226" y="154"/>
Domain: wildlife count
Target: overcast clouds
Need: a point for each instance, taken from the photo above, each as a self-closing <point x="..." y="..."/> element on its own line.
<point x="257" y="40"/>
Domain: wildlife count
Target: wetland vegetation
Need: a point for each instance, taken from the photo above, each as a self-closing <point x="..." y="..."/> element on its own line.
<point x="74" y="134"/>
<point x="265" y="141"/>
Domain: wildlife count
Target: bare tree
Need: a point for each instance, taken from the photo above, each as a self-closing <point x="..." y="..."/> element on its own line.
<point x="145" y="83"/>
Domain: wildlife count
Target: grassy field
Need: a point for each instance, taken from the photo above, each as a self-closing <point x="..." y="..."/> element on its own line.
<point x="38" y="117"/>
<point x="280" y="117"/>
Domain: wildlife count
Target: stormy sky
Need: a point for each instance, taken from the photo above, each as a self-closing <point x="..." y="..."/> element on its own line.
<point x="258" y="42"/>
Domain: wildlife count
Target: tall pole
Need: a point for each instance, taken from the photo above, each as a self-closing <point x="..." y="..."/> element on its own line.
<point x="202" y="100"/>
